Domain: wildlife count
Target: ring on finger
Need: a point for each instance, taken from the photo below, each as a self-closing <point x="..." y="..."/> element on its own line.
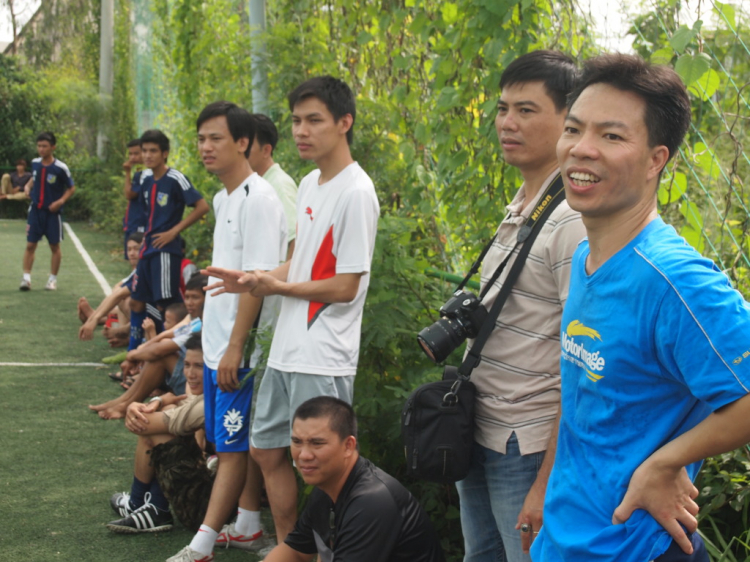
<point x="525" y="528"/>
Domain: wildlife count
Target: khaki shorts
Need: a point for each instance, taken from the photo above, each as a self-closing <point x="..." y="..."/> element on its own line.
<point x="186" y="418"/>
<point x="280" y="395"/>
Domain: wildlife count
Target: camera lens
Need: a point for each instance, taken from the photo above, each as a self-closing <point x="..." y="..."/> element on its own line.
<point x="440" y="339"/>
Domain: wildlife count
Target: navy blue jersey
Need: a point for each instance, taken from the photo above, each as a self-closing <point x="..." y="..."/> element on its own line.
<point x="50" y="182"/>
<point x="164" y="203"/>
<point x="135" y="214"/>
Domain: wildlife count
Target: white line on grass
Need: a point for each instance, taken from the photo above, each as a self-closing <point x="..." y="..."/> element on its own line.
<point x="11" y="364"/>
<point x="89" y="262"/>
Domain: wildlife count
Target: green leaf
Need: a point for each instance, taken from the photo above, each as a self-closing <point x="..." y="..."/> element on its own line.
<point x="706" y="85"/>
<point x="364" y="37"/>
<point x="682" y="38"/>
<point x="662" y="56"/>
<point x="727" y="13"/>
<point x="450" y="12"/>
<point x="692" y="67"/>
<point x="706" y="160"/>
<point x="672" y="188"/>
<point x="695" y="239"/>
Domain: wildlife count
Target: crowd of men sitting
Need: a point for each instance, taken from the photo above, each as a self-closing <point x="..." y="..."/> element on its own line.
<point x="617" y="364"/>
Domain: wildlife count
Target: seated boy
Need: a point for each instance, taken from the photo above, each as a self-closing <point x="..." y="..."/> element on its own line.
<point x="118" y="298"/>
<point x="145" y="509"/>
<point x="160" y="356"/>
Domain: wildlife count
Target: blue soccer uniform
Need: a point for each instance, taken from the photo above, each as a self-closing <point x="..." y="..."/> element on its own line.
<point x="135" y="214"/>
<point x="158" y="273"/>
<point x="50" y="183"/>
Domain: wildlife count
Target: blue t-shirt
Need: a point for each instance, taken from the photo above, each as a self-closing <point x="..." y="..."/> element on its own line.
<point x="50" y="182"/>
<point x="135" y="215"/>
<point x="652" y="342"/>
<point x="164" y="203"/>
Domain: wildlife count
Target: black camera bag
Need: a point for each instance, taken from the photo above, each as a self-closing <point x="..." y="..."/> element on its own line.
<point x="437" y="422"/>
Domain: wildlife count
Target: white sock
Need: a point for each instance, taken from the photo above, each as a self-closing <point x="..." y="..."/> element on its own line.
<point x="248" y="522"/>
<point x="27" y="277"/>
<point x="204" y="539"/>
<point x="52" y="277"/>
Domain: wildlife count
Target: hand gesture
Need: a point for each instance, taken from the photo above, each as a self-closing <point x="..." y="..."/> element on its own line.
<point x="86" y="331"/>
<point x="230" y="281"/>
<point x="55" y="206"/>
<point x="667" y="493"/>
<point x="161" y="239"/>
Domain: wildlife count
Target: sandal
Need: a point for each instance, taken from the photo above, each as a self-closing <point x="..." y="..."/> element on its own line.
<point x="115" y="376"/>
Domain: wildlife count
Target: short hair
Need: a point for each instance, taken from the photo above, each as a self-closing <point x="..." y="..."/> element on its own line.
<point x="194" y="342"/>
<point x="557" y="71"/>
<point x="334" y="93"/>
<point x="47" y="136"/>
<point x="157" y="137"/>
<point x="134" y="142"/>
<point x="21" y="162"/>
<point x="241" y="125"/>
<point x="668" y="112"/>
<point x="196" y="282"/>
<point x="265" y="131"/>
<point x="341" y="418"/>
<point x="178" y="309"/>
<point x="136" y="237"/>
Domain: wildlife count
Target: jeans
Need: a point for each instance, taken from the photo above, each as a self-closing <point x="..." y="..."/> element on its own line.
<point x="492" y="496"/>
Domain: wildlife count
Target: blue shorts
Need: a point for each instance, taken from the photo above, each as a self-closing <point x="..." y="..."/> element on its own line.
<point x="41" y="222"/>
<point x="157" y="278"/>
<point x="228" y="413"/>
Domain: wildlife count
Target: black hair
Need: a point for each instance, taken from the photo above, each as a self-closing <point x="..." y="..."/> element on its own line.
<point x="241" y="125"/>
<point x="334" y="93"/>
<point x="136" y="237"/>
<point x="47" y="136"/>
<point x="21" y="162"/>
<point x="194" y="342"/>
<point x="341" y="418"/>
<point x="196" y="282"/>
<point x="134" y="142"/>
<point x="265" y="131"/>
<point x="558" y="73"/>
<point x="157" y="137"/>
<point x="667" y="104"/>
<point x="178" y="309"/>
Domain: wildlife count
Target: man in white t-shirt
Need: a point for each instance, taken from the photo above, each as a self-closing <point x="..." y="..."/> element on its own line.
<point x="250" y="235"/>
<point x="316" y="344"/>
<point x="261" y="160"/>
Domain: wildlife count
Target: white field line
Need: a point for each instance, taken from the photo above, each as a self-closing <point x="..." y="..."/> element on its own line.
<point x="11" y="364"/>
<point x="89" y="262"/>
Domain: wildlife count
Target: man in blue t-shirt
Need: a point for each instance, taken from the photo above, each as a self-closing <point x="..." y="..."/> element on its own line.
<point x="164" y="193"/>
<point x="655" y="341"/>
<point x="52" y="187"/>
<point x="135" y="215"/>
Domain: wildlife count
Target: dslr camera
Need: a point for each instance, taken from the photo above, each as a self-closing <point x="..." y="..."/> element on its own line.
<point x="460" y="318"/>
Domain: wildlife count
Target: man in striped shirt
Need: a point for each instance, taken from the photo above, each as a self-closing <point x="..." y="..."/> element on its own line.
<point x="518" y="378"/>
<point x="164" y="193"/>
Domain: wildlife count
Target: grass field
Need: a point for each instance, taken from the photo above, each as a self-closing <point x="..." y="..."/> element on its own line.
<point x="59" y="463"/>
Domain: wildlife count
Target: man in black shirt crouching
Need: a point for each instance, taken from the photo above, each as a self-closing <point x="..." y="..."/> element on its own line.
<point x="357" y="512"/>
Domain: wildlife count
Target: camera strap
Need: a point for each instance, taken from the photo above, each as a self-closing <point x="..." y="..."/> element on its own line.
<point x="550" y="199"/>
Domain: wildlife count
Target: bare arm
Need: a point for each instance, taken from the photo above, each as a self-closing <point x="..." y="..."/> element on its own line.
<point x="128" y="187"/>
<point x="163" y="238"/>
<point x="56" y="205"/>
<point x="226" y="376"/>
<point x="533" y="505"/>
<point x="29" y="185"/>
<point x="154" y="351"/>
<point x="285" y="553"/>
<point x="86" y="331"/>
<point x="235" y="281"/>
<point x="661" y="485"/>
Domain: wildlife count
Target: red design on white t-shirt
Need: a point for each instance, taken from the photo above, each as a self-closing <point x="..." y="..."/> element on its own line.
<point x="324" y="267"/>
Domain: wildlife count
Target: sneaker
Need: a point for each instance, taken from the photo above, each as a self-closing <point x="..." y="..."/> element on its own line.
<point x="146" y="519"/>
<point x="187" y="554"/>
<point x="120" y="504"/>
<point x="230" y="537"/>
<point x="25" y="285"/>
<point x="51" y="285"/>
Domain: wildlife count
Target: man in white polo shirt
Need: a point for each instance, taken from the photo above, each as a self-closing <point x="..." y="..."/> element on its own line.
<point x="316" y="344"/>
<point x="250" y="234"/>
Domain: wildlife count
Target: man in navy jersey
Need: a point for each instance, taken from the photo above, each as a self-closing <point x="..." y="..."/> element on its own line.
<point x="164" y="193"/>
<point x="52" y="187"/>
<point x="135" y="216"/>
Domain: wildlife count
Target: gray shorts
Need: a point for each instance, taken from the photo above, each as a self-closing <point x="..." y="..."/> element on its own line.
<point x="280" y="395"/>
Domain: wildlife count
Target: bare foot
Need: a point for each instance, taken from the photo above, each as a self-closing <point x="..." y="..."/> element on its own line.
<point x="110" y="404"/>
<point x="113" y="413"/>
<point x="84" y="309"/>
<point x="119" y="340"/>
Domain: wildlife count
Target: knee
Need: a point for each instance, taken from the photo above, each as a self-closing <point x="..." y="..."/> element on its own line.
<point x="268" y="459"/>
<point x="31" y="247"/>
<point x="137" y="306"/>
